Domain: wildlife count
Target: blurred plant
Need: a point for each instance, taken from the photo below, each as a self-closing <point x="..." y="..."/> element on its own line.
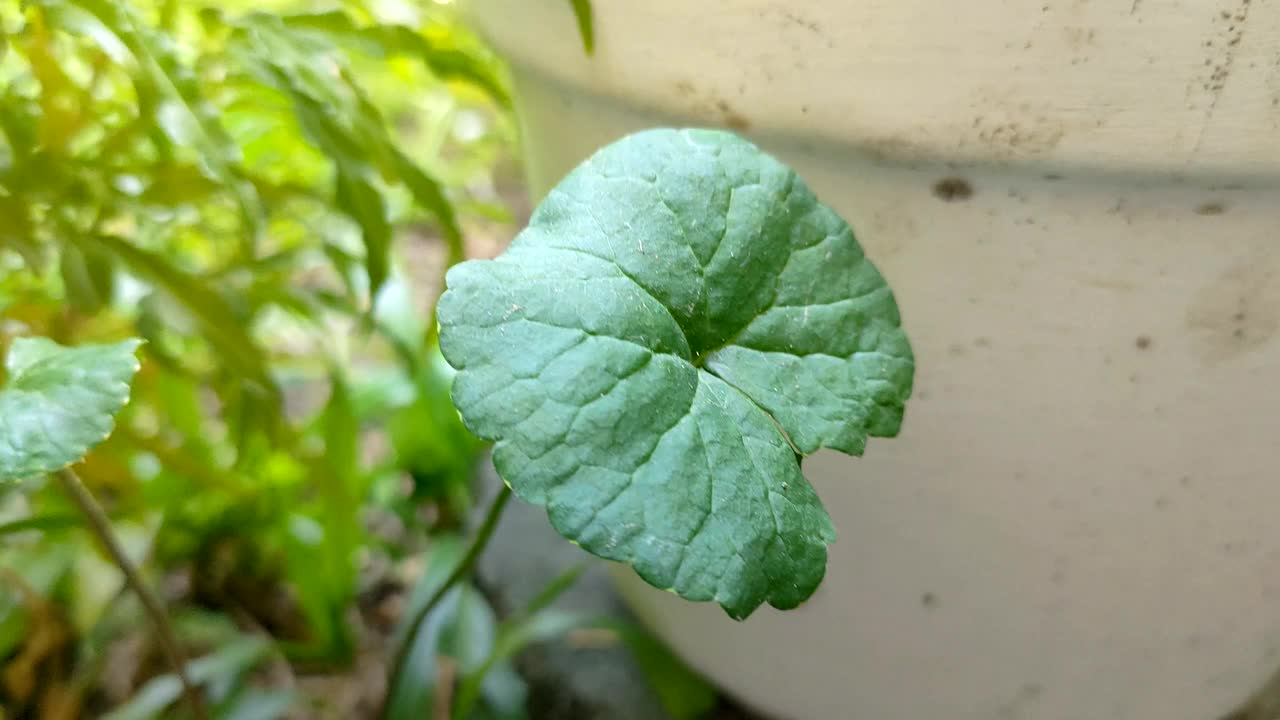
<point x="57" y="404"/>
<point x="586" y="25"/>
<point x="267" y="197"/>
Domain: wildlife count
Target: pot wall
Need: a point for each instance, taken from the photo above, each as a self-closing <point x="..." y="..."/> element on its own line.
<point x="1078" y="518"/>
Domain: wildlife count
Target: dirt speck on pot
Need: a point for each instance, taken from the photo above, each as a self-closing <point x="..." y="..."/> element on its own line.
<point x="953" y="189"/>
<point x="711" y="106"/>
<point x="1236" y="313"/>
<point x="732" y="118"/>
<point x="1017" y="707"/>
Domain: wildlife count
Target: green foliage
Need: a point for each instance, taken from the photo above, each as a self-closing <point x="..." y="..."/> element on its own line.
<point x="58" y="402"/>
<point x="268" y="196"/>
<point x="242" y="187"/>
<point x="222" y="674"/>
<point x="683" y="693"/>
<point x="456" y="639"/>
<point x="537" y="622"/>
<point x="680" y="323"/>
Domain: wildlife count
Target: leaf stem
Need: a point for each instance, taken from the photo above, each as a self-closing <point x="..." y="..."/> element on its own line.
<point x="460" y="571"/>
<point x="101" y="526"/>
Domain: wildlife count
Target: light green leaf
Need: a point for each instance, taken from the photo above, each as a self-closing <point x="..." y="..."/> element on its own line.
<point x="680" y="322"/>
<point x="439" y="51"/>
<point x="336" y="117"/>
<point x="582" y="11"/>
<point x="59" y="402"/>
<point x="427" y="192"/>
<point x="51" y="522"/>
<point x="255" y="704"/>
<point x="220" y="671"/>
<point x="357" y="196"/>
<point x="171" y="91"/>
<point x="338" y="482"/>
<point x="219" y="323"/>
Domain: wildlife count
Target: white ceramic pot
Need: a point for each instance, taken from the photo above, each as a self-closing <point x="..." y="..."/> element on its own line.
<point x="1076" y="204"/>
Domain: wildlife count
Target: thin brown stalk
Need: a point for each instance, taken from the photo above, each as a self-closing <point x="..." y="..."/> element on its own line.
<point x="101" y="527"/>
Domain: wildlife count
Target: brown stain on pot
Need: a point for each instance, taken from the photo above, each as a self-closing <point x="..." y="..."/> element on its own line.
<point x="889" y="230"/>
<point x="952" y="189"/>
<point x="1227" y="31"/>
<point x="1009" y="127"/>
<point x="732" y="118"/>
<point x="1018" y="136"/>
<point x="711" y="106"/>
<point x="1239" y="311"/>
<point x="897" y="149"/>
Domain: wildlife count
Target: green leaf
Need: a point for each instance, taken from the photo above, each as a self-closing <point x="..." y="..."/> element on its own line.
<point x="554" y="589"/>
<point x="88" y="278"/>
<point x="341" y="434"/>
<point x="429" y="439"/>
<point x="339" y="120"/>
<point x="681" y="321"/>
<point x="219" y="323"/>
<point x="427" y="192"/>
<point x="58" y="402"/>
<point x="439" y="51"/>
<point x="446" y="552"/>
<point x="51" y="522"/>
<point x="582" y="11"/>
<point x="254" y="704"/>
<point x="536" y="623"/>
<point x="338" y="482"/>
<point x="684" y="694"/>
<point x="221" y="670"/>
<point x="358" y="197"/>
<point x="462" y="628"/>
<point x="171" y="91"/>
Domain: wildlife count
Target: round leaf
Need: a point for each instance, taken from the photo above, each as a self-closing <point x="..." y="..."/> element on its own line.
<point x="59" y="402"/>
<point x="680" y="323"/>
